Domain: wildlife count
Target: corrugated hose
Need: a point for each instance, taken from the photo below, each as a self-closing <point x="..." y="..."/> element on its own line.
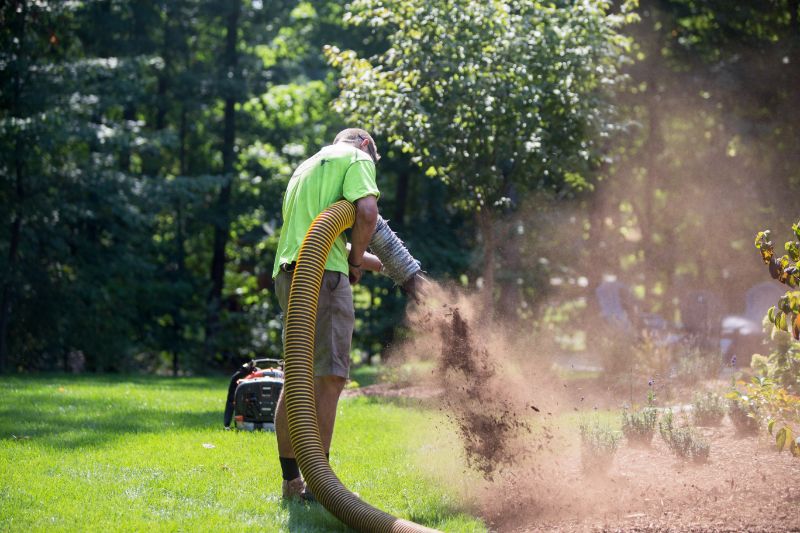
<point x="301" y="318"/>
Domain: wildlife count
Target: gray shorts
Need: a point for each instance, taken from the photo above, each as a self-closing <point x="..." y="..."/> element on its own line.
<point x="335" y="320"/>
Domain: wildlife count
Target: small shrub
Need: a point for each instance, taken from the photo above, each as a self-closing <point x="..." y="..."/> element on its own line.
<point x="684" y="442"/>
<point x="744" y="414"/>
<point x="763" y="402"/>
<point x="708" y="409"/>
<point x="598" y="446"/>
<point x="639" y="426"/>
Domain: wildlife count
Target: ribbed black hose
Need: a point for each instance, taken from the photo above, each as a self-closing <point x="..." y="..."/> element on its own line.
<point x="301" y="318"/>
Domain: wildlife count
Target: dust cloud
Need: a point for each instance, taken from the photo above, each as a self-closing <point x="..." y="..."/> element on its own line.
<point x="499" y="395"/>
<point x="672" y="219"/>
<point x="512" y="413"/>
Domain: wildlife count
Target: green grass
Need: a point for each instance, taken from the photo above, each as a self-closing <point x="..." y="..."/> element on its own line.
<point x="127" y="454"/>
<point x="364" y="375"/>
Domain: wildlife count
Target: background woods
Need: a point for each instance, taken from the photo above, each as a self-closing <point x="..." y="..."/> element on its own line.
<point x="532" y="151"/>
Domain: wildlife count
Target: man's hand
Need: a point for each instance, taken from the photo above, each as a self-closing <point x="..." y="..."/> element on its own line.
<point x="354" y="274"/>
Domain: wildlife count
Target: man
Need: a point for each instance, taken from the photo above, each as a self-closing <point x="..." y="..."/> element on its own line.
<point x="343" y="170"/>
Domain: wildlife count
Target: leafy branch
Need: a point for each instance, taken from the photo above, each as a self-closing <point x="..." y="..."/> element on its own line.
<point x="786" y="315"/>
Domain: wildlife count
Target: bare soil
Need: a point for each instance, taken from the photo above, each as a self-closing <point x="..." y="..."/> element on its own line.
<point x="745" y="486"/>
<point x="486" y="382"/>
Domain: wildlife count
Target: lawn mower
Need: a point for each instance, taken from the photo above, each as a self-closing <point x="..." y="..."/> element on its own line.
<point x="253" y="395"/>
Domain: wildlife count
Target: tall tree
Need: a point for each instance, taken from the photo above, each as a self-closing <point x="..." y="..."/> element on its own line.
<point x="496" y="99"/>
<point x="222" y="214"/>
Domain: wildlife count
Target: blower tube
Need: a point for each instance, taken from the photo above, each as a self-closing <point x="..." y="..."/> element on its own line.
<point x="398" y="264"/>
<point x="301" y="318"/>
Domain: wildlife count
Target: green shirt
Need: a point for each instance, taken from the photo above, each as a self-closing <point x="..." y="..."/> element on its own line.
<point x="335" y="172"/>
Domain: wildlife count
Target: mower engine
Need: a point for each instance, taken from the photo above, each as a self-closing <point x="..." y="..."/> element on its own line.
<point x="253" y="395"/>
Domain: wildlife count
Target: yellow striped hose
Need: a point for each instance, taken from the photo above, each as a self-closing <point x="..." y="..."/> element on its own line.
<point x="301" y="319"/>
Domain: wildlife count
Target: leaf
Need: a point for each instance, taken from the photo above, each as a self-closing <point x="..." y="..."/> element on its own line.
<point x="777" y="321"/>
<point x="780" y="438"/>
<point x="794" y="447"/>
<point x="792" y="251"/>
<point x="775" y="269"/>
<point x="783" y="304"/>
<point x="770" y="425"/>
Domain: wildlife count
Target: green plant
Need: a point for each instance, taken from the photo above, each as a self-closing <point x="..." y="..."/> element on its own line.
<point x="744" y="412"/>
<point x="684" y="442"/>
<point x="599" y="443"/>
<point x="639" y="426"/>
<point x="771" y="404"/>
<point x="784" y="437"/>
<point x="786" y="315"/>
<point x="708" y="409"/>
<point x="782" y="365"/>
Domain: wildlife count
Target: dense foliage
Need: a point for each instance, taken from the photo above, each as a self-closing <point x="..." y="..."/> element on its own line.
<point x="497" y="99"/>
<point x="145" y="145"/>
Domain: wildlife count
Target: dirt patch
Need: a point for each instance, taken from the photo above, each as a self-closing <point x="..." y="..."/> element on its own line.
<point x="390" y="390"/>
<point x="746" y="486"/>
<point x="506" y="404"/>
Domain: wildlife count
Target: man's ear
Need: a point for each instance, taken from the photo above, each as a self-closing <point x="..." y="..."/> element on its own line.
<point x="364" y="143"/>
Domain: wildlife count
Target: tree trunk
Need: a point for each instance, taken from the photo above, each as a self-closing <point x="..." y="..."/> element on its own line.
<point x="6" y="300"/>
<point x="182" y="134"/>
<point x="222" y="225"/>
<point x="128" y="115"/>
<point x="401" y="199"/>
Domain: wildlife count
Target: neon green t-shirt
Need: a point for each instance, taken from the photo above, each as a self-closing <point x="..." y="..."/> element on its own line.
<point x="335" y="172"/>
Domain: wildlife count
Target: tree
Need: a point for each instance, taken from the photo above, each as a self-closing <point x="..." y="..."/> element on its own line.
<point x="496" y="99"/>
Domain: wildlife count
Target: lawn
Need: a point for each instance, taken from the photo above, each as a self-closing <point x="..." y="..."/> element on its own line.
<point x="147" y="453"/>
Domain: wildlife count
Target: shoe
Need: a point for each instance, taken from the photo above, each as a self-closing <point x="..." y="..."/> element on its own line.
<point x="296" y="489"/>
<point x="293" y="489"/>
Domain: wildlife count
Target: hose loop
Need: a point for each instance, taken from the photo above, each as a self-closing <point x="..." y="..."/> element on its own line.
<point x="301" y="318"/>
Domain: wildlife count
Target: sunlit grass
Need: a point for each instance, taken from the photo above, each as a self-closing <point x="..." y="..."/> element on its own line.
<point x="108" y="453"/>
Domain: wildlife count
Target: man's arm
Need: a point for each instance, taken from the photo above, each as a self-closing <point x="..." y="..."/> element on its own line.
<point x="371" y="262"/>
<point x="363" y="229"/>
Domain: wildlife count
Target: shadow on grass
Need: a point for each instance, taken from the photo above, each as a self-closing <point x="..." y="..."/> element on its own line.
<point x="160" y="382"/>
<point x="35" y="410"/>
<point x="312" y="518"/>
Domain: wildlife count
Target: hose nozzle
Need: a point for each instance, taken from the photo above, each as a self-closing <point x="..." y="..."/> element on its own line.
<point x="398" y="264"/>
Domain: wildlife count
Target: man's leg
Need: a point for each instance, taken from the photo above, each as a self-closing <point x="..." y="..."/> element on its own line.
<point x="293" y="486"/>
<point x="334" y="330"/>
<point x="282" y="429"/>
<point x="327" y="390"/>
